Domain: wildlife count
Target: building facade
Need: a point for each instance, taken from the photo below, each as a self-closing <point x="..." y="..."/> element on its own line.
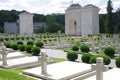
<point x="24" y="25"/>
<point x="82" y="20"/>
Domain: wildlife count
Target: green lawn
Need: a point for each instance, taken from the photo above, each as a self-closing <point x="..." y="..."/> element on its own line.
<point x="12" y="75"/>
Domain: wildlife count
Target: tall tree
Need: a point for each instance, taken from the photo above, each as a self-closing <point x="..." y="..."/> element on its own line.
<point x="109" y="21"/>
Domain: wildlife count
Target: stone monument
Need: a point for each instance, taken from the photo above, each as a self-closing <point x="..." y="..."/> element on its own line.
<point x="26" y="23"/>
<point x="82" y="20"/>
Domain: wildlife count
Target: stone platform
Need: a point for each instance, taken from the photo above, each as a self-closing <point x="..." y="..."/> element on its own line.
<point x="14" y="55"/>
<point x="21" y="62"/>
<point x="113" y="74"/>
<point x="60" y="71"/>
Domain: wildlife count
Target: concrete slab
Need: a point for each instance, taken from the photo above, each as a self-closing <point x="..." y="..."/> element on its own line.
<point x="19" y="62"/>
<point x="113" y="74"/>
<point x="60" y="71"/>
<point x="14" y="55"/>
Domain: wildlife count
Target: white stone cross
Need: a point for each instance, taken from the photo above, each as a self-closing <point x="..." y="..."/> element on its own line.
<point x="100" y="68"/>
<point x="43" y="63"/>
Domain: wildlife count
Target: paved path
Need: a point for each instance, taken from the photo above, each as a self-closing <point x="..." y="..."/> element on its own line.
<point x="58" y="53"/>
<point x="61" y="54"/>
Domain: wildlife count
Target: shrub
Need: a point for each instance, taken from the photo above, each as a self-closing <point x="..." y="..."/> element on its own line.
<point x="30" y="43"/>
<point x="1" y="39"/>
<point x="117" y="62"/>
<point x="84" y="48"/>
<point x="109" y="51"/>
<point x="72" y="56"/>
<point x="35" y="50"/>
<point x="7" y="44"/>
<point x="86" y="57"/>
<point x="105" y="58"/>
<point x="39" y="44"/>
<point x="14" y="46"/>
<point x="21" y="47"/>
<point x="20" y="42"/>
<point x="75" y="48"/>
<point x="28" y="48"/>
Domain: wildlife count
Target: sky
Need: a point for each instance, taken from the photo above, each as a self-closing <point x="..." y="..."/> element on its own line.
<point x="53" y="6"/>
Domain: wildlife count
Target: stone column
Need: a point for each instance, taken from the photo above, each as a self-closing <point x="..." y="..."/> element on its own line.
<point x="43" y="63"/>
<point x="99" y="69"/>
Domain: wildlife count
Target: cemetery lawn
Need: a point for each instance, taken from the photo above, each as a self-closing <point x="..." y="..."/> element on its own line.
<point x="59" y="60"/>
<point x="8" y="74"/>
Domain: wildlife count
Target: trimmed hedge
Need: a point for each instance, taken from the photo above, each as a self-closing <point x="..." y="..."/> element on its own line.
<point x="75" y="48"/>
<point x="28" y="48"/>
<point x="20" y="42"/>
<point x="21" y="47"/>
<point x="86" y="57"/>
<point x="35" y="51"/>
<point x="117" y="62"/>
<point x="72" y="56"/>
<point x="105" y="58"/>
<point x="39" y="44"/>
<point x="7" y="44"/>
<point x="84" y="48"/>
<point x="14" y="46"/>
<point x="30" y="43"/>
<point x="109" y="51"/>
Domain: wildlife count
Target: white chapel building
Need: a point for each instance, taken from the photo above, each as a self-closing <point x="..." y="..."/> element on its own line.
<point x="82" y="20"/>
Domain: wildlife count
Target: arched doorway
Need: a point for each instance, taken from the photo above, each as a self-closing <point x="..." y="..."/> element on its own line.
<point x="72" y="27"/>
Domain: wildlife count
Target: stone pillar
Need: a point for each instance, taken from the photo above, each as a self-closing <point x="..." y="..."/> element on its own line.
<point x="4" y="55"/>
<point x="43" y="63"/>
<point x="99" y="69"/>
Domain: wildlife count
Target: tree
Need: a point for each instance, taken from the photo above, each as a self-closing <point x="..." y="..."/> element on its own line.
<point x="109" y="21"/>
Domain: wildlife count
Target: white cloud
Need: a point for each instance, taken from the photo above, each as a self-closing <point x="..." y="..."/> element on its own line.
<point x="51" y="6"/>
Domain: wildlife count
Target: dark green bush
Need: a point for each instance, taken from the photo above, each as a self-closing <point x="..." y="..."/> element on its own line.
<point x="109" y="51"/>
<point x="1" y="39"/>
<point x="72" y="56"/>
<point x="7" y="44"/>
<point x="14" y="46"/>
<point x="39" y="44"/>
<point x="6" y="38"/>
<point x="28" y="48"/>
<point x="35" y="51"/>
<point x="75" y="48"/>
<point x="86" y="57"/>
<point x="30" y="43"/>
<point x="105" y="58"/>
<point x="84" y="48"/>
<point x="21" y="47"/>
<point x="117" y="62"/>
<point x="20" y="42"/>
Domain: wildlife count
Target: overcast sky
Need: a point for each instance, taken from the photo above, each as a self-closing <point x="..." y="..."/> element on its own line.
<point x="52" y="6"/>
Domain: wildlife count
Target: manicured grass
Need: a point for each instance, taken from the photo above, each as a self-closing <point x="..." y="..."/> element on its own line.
<point x="12" y="75"/>
<point x="59" y="59"/>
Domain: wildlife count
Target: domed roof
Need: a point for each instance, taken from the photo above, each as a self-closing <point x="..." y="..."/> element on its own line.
<point x="91" y="6"/>
<point x="75" y="5"/>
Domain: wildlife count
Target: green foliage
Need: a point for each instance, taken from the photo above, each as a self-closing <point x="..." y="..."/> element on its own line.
<point x="20" y="42"/>
<point x="117" y="62"/>
<point x="106" y="58"/>
<point x="84" y="48"/>
<point x="109" y="21"/>
<point x="14" y="46"/>
<point x="28" y="48"/>
<point x="30" y="43"/>
<point x="72" y="56"/>
<point x="7" y="44"/>
<point x="35" y="50"/>
<point x="21" y="47"/>
<point x="109" y="51"/>
<point x="86" y="57"/>
<point x="75" y="48"/>
<point x="39" y="44"/>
